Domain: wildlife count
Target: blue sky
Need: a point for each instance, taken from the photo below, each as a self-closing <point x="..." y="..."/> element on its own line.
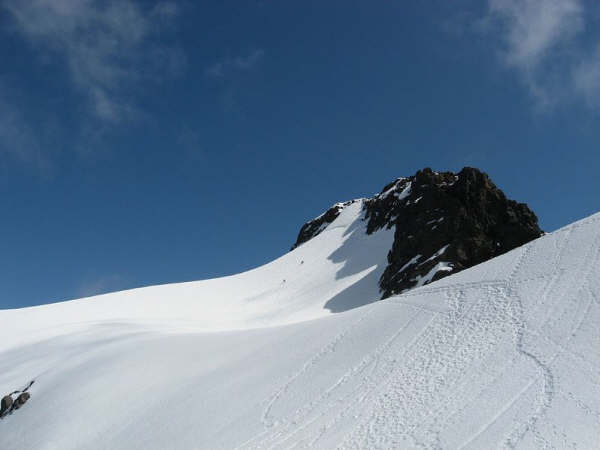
<point x="154" y="142"/>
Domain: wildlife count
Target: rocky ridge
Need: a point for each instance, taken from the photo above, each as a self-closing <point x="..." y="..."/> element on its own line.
<point x="313" y="227"/>
<point x="444" y="222"/>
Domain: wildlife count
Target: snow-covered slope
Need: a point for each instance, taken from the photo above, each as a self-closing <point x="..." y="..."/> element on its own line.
<point x="338" y="271"/>
<point x="504" y="354"/>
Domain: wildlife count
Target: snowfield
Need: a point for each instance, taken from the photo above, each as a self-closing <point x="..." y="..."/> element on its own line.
<point x="297" y="353"/>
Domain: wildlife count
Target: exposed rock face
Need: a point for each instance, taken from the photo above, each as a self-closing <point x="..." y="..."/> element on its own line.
<point x="313" y="227"/>
<point x="444" y="223"/>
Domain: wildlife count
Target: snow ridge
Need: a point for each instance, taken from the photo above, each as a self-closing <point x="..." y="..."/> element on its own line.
<point x="501" y="355"/>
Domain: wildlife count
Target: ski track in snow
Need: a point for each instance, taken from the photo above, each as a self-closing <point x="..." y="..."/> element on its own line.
<point x="480" y="360"/>
<point x="503" y="297"/>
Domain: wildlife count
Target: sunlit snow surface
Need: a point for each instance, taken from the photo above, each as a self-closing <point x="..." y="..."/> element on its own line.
<point x="504" y="355"/>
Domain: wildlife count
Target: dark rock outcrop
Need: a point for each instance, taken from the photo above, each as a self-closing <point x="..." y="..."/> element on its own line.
<point x="313" y="227"/>
<point x="21" y="400"/>
<point x="5" y="404"/>
<point x="8" y="404"/>
<point x="444" y="222"/>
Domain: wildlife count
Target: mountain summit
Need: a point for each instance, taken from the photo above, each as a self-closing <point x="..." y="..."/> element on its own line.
<point x="444" y="222"/>
<point x="299" y="353"/>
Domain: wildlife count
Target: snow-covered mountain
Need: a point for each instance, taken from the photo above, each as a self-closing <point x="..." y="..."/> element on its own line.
<point x="297" y="353"/>
<point x="444" y="222"/>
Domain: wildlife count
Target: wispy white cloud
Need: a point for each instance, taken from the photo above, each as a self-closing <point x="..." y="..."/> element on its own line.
<point x="586" y="76"/>
<point x="102" y="285"/>
<point x="108" y="48"/>
<point x="546" y="43"/>
<point x="532" y="28"/>
<point x="228" y="65"/>
<point x="18" y="141"/>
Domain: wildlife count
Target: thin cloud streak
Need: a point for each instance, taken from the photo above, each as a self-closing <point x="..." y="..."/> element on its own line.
<point x="237" y="64"/>
<point x="586" y="76"/>
<point x="107" y="48"/>
<point x="532" y="28"/>
<point x="18" y="140"/>
<point x="102" y="285"/>
<point x="543" y="42"/>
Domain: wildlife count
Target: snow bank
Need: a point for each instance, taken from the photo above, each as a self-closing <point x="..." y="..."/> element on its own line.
<point x="504" y="354"/>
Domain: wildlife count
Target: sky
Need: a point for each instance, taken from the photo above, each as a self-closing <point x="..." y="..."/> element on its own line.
<point x="151" y="142"/>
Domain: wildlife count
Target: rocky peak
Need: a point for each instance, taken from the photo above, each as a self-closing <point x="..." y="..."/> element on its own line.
<point x="444" y="222"/>
<point x="313" y="227"/>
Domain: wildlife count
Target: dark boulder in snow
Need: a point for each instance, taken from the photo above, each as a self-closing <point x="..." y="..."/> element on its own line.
<point x="5" y="404"/>
<point x="9" y="404"/>
<point x="21" y="400"/>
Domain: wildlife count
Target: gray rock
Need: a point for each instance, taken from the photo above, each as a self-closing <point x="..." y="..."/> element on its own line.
<point x="22" y="398"/>
<point x="6" y="404"/>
